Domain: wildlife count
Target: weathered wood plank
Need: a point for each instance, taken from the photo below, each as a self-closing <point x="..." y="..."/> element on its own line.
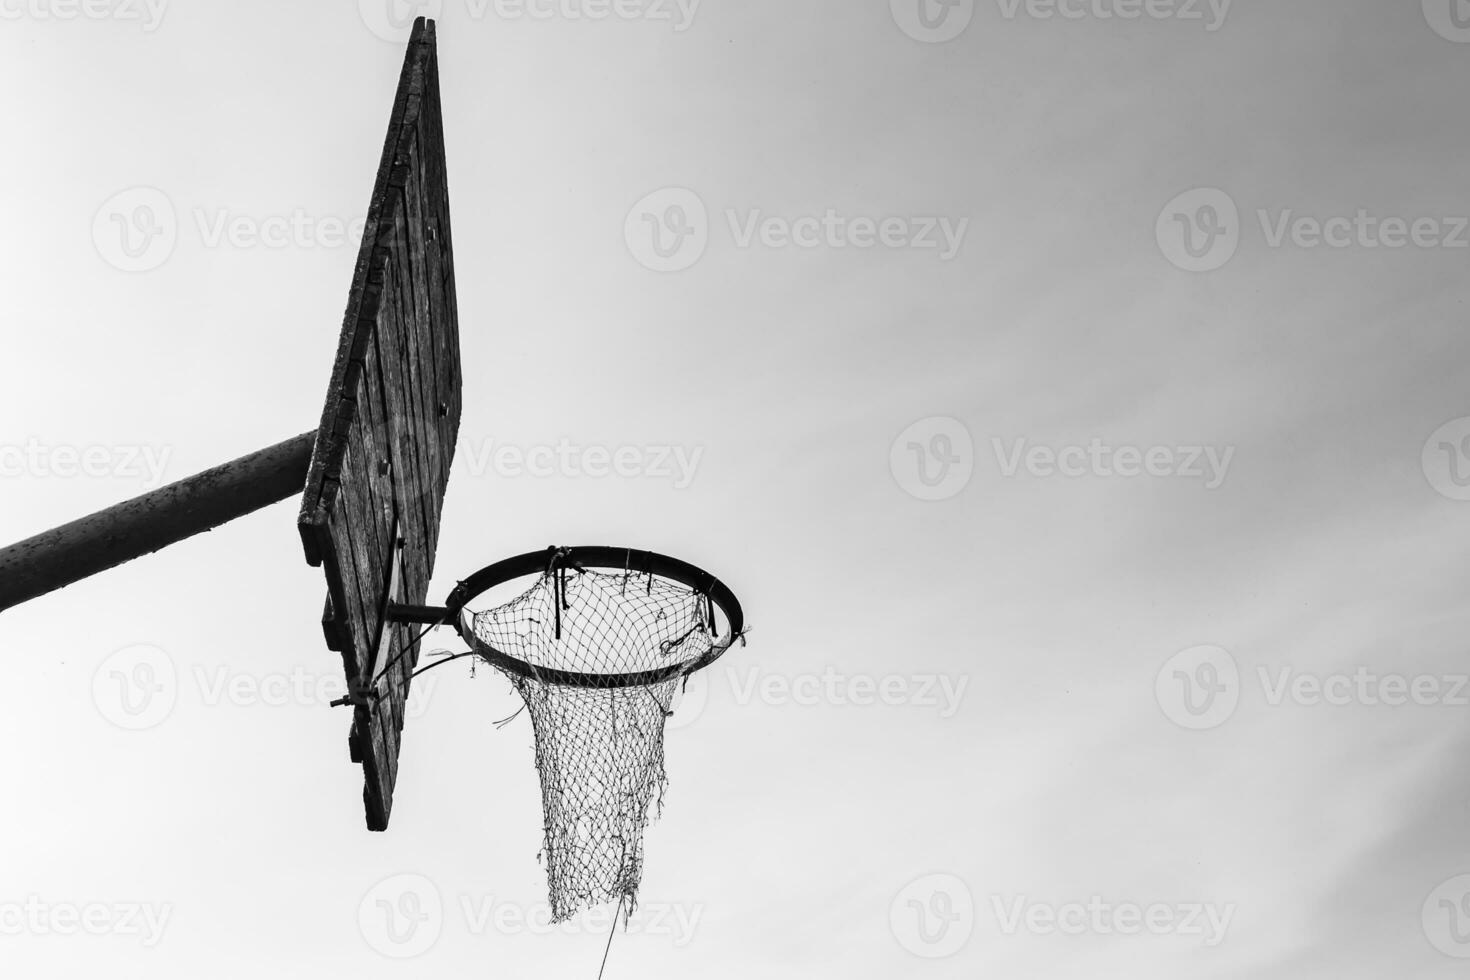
<point x="420" y="494"/>
<point x="397" y="363"/>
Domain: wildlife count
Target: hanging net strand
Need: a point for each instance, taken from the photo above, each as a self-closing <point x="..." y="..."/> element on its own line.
<point x="597" y="665"/>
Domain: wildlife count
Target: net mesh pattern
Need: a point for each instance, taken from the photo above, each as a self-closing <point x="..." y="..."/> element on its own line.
<point x="599" y="747"/>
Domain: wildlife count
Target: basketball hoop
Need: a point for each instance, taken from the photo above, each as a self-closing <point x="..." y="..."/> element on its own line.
<point x="597" y="647"/>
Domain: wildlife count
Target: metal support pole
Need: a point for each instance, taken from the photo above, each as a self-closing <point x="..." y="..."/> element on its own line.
<point x="146" y="524"/>
<point x="418" y="615"/>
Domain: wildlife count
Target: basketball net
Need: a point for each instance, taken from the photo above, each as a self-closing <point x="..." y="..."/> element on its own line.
<point x="599" y="748"/>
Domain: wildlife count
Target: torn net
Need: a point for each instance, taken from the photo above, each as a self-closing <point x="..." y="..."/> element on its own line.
<point x="599" y="749"/>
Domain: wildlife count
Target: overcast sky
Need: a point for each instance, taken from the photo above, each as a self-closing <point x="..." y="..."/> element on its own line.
<point x="1075" y="393"/>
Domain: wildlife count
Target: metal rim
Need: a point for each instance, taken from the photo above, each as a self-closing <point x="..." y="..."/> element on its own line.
<point x="607" y="559"/>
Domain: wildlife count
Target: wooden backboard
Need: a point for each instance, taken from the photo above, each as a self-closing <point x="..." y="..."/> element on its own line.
<point x="375" y="489"/>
